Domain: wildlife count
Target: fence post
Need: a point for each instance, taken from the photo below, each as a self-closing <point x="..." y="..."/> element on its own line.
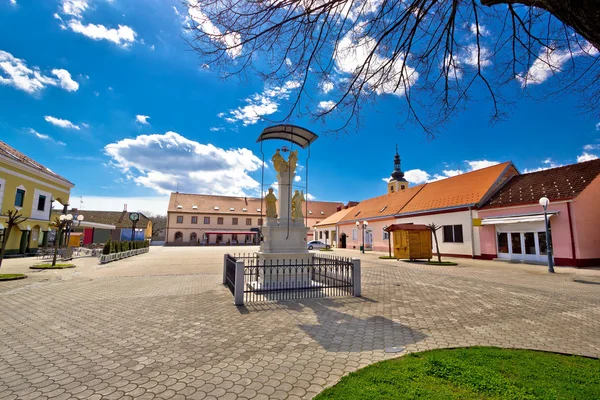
<point x="239" y="283"/>
<point x="225" y="269"/>
<point x="356" y="277"/>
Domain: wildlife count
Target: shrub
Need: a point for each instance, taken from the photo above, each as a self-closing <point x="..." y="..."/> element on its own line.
<point x="107" y="247"/>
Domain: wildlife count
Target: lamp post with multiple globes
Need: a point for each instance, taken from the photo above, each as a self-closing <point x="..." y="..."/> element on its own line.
<point x="362" y="227"/>
<point x="544" y="202"/>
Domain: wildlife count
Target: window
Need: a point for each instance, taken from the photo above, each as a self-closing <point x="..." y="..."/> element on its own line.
<point x="354" y="234"/>
<point x="503" y="242"/>
<point x="19" y="198"/>
<point x="321" y="235"/>
<point x="193" y="237"/>
<point x="194" y="220"/>
<point x="386" y="235"/>
<point x="453" y="234"/>
<point x="220" y="221"/>
<point x="402" y="187"/>
<point x="248" y="238"/>
<point x="248" y="221"/>
<point x="180" y="219"/>
<point x="234" y="221"/>
<point x="206" y="220"/>
<point x="219" y="238"/>
<point x="178" y="236"/>
<point x="391" y="189"/>
<point x="260" y="221"/>
<point x="234" y="237"/>
<point x="41" y="203"/>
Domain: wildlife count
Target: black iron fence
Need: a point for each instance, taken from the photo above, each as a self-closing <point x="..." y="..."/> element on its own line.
<point x="229" y="273"/>
<point x="310" y="277"/>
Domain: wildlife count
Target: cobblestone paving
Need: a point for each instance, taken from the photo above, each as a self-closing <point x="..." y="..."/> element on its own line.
<point x="161" y="325"/>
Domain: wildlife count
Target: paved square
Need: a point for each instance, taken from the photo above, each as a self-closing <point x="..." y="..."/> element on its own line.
<point x="161" y="325"/>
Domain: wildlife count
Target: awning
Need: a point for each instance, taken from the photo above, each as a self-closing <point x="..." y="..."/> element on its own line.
<point x="230" y="232"/>
<point x="86" y="224"/>
<point x="515" y="219"/>
<point x="292" y="133"/>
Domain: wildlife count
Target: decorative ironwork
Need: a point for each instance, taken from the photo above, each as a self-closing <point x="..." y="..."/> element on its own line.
<point x="322" y="276"/>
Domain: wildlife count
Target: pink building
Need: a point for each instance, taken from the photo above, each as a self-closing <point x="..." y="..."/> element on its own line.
<point x="512" y="221"/>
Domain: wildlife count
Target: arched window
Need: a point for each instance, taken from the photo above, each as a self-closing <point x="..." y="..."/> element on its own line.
<point x="193" y="237"/>
<point x="178" y="236"/>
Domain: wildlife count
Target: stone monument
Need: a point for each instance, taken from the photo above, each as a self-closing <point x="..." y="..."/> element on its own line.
<point x="284" y="231"/>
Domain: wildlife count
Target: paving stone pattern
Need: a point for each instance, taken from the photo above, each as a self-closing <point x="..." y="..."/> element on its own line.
<point x="161" y="325"/>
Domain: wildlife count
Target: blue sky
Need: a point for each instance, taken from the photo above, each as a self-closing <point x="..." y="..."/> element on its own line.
<point x="107" y="94"/>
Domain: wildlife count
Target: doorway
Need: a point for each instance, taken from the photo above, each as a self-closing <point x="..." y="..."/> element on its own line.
<point x="524" y="246"/>
<point x="343" y="241"/>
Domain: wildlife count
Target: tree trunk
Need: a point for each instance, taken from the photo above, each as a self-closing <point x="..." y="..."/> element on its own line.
<point x="4" y="242"/>
<point x="437" y="247"/>
<point x="581" y="15"/>
<point x="58" y="233"/>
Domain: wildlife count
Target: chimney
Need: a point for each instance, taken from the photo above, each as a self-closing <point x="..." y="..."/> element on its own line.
<point x="125" y="207"/>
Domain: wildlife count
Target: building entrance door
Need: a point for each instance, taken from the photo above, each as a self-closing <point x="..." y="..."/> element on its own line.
<point x="343" y="241"/>
<point x="528" y="245"/>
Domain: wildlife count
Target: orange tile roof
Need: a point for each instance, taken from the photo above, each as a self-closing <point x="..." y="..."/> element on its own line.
<point x="461" y="190"/>
<point x="387" y="205"/>
<point x="335" y="218"/>
<point x="206" y="204"/>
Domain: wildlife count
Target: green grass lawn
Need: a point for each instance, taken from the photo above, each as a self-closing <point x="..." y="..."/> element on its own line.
<point x="473" y="373"/>
<point x="441" y="263"/>
<point x="49" y="266"/>
<point x="11" y="277"/>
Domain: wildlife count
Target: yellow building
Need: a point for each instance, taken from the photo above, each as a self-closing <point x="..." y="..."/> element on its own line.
<point x="30" y="188"/>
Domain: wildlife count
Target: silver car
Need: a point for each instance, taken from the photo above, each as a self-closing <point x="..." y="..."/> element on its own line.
<point x="317" y="244"/>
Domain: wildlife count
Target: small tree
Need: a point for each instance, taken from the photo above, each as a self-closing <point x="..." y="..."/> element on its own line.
<point x="13" y="219"/>
<point x="434" y="228"/>
<point x="60" y="227"/>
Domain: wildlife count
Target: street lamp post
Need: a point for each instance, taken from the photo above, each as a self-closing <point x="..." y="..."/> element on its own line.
<point x="70" y="222"/>
<point x="544" y="202"/>
<point x="363" y="228"/>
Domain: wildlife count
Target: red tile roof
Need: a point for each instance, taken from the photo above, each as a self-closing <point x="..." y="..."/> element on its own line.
<point x="16" y="155"/>
<point x="560" y="183"/>
<point x="335" y="218"/>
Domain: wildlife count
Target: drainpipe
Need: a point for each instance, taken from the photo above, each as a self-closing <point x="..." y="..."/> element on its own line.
<point x="572" y="238"/>
<point x="472" y="232"/>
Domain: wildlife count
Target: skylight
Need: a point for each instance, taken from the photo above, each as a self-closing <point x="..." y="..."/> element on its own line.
<point x="216" y="207"/>
<point x="244" y="209"/>
<point x="194" y="207"/>
<point x="310" y="212"/>
<point x="258" y="209"/>
<point x="179" y="206"/>
<point x="231" y="209"/>
<point x="322" y="212"/>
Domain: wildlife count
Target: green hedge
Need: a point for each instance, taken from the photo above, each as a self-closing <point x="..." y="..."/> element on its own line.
<point x="111" y="247"/>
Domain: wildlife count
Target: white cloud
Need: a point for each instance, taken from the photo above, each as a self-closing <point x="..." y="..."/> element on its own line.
<point x="13" y="2"/>
<point x="63" y="123"/>
<point x="475" y="165"/>
<point x="551" y="61"/>
<point x="231" y="40"/>
<point x="326" y="105"/>
<point x="472" y="56"/>
<point x="123" y="36"/>
<point x="352" y="52"/>
<point x="326" y="86"/>
<point x="85" y="125"/>
<point x="260" y="104"/>
<point x="65" y="81"/>
<point x="44" y="137"/>
<point x="589" y="147"/>
<point x="483" y="31"/>
<point x="416" y="176"/>
<point x="142" y="119"/>
<point x="548" y="163"/>
<point x="217" y="129"/>
<point x="74" y="8"/>
<point x="15" y="72"/>
<point x="598" y="126"/>
<point x="157" y="205"/>
<point x="586" y="157"/>
<point x="164" y="161"/>
<point x="297" y="178"/>
<point x="310" y="197"/>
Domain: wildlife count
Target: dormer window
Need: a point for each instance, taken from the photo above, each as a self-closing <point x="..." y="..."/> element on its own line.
<point x="217" y="208"/>
<point x="258" y="210"/>
<point x="231" y="209"/>
<point x="322" y="212"/>
<point x="179" y="206"/>
<point x="194" y="207"/>
<point x="310" y="212"/>
<point x="244" y="209"/>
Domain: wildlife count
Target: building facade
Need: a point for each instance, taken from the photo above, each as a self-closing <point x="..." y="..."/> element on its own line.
<point x="513" y="225"/>
<point x="195" y="219"/>
<point x="29" y="188"/>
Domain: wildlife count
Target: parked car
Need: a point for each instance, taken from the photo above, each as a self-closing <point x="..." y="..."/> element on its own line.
<point x="317" y="244"/>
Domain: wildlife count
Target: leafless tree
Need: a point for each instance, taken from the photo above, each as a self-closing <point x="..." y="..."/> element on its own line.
<point x="434" y="228"/>
<point x="159" y="222"/>
<point x="60" y="225"/>
<point x="435" y="54"/>
<point x="13" y="218"/>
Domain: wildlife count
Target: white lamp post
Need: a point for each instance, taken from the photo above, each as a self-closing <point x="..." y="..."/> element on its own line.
<point x="544" y="202"/>
<point x="362" y="227"/>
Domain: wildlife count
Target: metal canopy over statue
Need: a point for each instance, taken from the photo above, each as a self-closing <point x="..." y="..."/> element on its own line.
<point x="284" y="230"/>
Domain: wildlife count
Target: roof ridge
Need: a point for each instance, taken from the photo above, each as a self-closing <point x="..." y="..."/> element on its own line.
<point x="547" y="170"/>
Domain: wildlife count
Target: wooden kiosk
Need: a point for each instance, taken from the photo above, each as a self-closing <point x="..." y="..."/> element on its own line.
<point x="411" y="242"/>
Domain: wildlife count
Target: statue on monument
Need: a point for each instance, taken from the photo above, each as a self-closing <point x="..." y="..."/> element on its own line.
<point x="293" y="160"/>
<point x="279" y="163"/>
<point x="271" y="201"/>
<point x="297" y="205"/>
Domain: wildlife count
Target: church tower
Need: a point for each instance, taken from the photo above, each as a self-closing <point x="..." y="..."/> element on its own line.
<point x="397" y="181"/>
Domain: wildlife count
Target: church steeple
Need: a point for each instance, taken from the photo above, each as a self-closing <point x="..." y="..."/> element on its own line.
<point x="397" y="181"/>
